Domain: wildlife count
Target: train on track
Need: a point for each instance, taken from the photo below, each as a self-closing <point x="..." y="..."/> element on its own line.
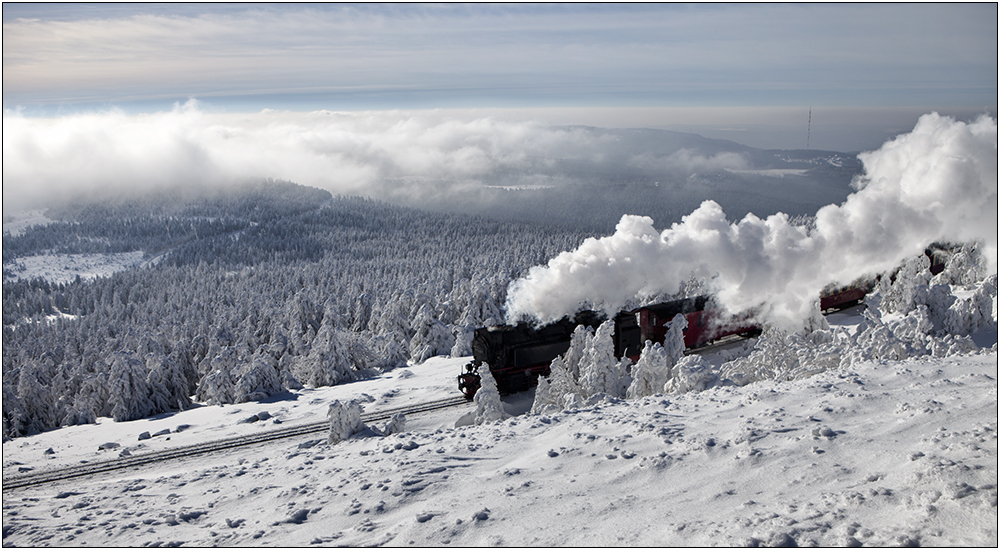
<point x="518" y="355"/>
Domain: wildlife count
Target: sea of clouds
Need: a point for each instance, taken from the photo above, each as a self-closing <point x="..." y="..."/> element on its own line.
<point x="416" y="156"/>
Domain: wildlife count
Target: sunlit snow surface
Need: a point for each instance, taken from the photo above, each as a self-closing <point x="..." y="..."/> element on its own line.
<point x="64" y="268"/>
<point x="16" y="222"/>
<point x="883" y="454"/>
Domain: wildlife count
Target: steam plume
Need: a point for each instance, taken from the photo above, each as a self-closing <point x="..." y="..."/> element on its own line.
<point x="937" y="183"/>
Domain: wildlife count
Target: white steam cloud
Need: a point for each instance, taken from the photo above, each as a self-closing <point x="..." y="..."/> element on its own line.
<point x="937" y="183"/>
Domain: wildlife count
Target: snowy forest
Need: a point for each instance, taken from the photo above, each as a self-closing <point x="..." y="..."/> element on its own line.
<point x="248" y="291"/>
<point x="245" y="294"/>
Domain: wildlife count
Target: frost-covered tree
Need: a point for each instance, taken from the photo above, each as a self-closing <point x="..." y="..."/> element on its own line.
<point x="90" y="400"/>
<point x="579" y="341"/>
<point x="362" y="313"/>
<point x="907" y="287"/>
<point x="168" y="383"/>
<point x="431" y="337"/>
<point x="345" y="421"/>
<point x="259" y="380"/>
<point x="552" y="391"/>
<point x="219" y="385"/>
<point x="129" y="392"/>
<point x="463" y="341"/>
<point x="328" y="362"/>
<point x="489" y="407"/>
<point x="651" y="372"/>
<point x="393" y="321"/>
<point x="389" y="353"/>
<point x="600" y="370"/>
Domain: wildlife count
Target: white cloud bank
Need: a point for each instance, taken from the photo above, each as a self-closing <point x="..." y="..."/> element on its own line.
<point x="417" y="155"/>
<point x="937" y="183"/>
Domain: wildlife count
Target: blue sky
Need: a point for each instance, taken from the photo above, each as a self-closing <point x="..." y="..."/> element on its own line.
<point x="643" y="60"/>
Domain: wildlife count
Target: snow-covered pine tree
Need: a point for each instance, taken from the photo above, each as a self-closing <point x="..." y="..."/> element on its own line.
<point x="489" y="407"/>
<point x="168" y="383"/>
<point x="651" y="372"/>
<point x="129" y="392"/>
<point x="599" y="369"/>
<point x="431" y="337"/>
<point x="328" y="362"/>
<point x="362" y="313"/>
<point x="464" y="334"/>
<point x="219" y="386"/>
<point x="259" y="380"/>
<point x="579" y="341"/>
<point x="389" y="353"/>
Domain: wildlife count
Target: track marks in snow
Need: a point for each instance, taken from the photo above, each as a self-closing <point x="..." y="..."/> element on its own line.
<point x="885" y="455"/>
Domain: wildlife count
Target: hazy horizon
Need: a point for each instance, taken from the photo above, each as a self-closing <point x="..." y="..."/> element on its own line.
<point x="750" y="73"/>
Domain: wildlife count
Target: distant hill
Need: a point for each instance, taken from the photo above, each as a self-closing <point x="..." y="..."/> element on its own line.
<point x="658" y="173"/>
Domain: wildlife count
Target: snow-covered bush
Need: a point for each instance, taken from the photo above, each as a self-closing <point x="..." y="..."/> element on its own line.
<point x="692" y="373"/>
<point x="396" y="424"/>
<point x="345" y="421"/>
<point x="964" y="267"/>
<point x="976" y="312"/>
<point x="779" y="355"/>
<point x="489" y="408"/>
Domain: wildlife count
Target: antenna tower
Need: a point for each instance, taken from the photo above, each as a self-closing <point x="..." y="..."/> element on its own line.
<point x="809" y="126"/>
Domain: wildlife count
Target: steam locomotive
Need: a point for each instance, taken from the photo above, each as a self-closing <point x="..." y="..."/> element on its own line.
<point x="518" y="355"/>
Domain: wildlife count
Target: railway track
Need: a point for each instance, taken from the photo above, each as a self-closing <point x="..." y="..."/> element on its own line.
<point x="38" y="478"/>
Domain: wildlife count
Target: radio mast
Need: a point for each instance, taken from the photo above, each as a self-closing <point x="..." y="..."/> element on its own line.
<point x="809" y="126"/>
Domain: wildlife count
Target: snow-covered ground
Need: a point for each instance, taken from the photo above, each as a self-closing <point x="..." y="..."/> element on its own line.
<point x="16" y="222"/>
<point x="64" y="268"/>
<point x="879" y="454"/>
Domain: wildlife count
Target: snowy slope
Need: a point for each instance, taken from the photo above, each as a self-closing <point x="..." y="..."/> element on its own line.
<point x="64" y="268"/>
<point x="16" y="222"/>
<point x="887" y="453"/>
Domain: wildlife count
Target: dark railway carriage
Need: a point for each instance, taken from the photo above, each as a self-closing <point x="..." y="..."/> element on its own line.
<point x="517" y="355"/>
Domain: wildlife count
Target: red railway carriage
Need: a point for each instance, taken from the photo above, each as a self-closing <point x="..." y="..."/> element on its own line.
<point x="841" y="298"/>
<point x="518" y="355"/>
<point x="705" y="323"/>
